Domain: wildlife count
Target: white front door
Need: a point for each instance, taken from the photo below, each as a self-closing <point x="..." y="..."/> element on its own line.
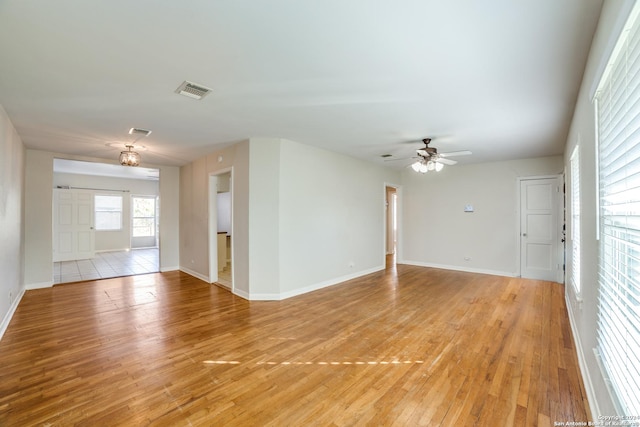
<point x="73" y="230"/>
<point x="539" y="229"/>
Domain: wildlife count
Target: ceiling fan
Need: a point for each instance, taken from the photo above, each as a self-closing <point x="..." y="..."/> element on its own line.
<point x="429" y="159"/>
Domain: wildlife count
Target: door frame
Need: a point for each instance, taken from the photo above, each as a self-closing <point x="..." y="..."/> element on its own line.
<point x="213" y="225"/>
<point x="156" y="219"/>
<point x="560" y="223"/>
<point x="398" y="191"/>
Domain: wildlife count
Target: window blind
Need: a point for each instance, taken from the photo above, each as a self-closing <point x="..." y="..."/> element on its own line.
<point x="108" y="212"/>
<point x="618" y="324"/>
<point x="575" y="216"/>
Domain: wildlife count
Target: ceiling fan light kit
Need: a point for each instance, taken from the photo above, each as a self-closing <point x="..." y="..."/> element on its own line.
<point x="423" y="166"/>
<point x="430" y="160"/>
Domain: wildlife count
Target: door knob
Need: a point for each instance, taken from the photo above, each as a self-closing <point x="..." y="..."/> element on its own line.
<point x="524" y="234"/>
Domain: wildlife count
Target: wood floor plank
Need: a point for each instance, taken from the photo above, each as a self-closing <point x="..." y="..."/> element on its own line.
<point x="405" y="346"/>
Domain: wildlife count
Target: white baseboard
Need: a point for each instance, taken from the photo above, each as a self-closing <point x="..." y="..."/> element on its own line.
<point x="582" y="363"/>
<point x="195" y="274"/>
<point x="7" y="318"/>
<point x="261" y="297"/>
<point x="173" y="268"/>
<point x="41" y="285"/>
<point x="459" y="268"/>
<point x="241" y="294"/>
<point x="311" y="288"/>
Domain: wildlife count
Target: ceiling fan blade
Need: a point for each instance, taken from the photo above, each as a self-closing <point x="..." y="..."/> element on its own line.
<point x="446" y="161"/>
<point x="456" y="153"/>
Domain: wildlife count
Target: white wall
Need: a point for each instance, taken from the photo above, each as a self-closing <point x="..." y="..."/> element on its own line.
<point x="437" y="231"/>
<point x="331" y="217"/>
<point x="38" y="236"/>
<point x="194" y="211"/>
<point x="119" y="239"/>
<point x="169" y="237"/>
<point x="11" y="219"/>
<point x="584" y="314"/>
<point x="38" y="240"/>
<point x="301" y="216"/>
<point x="264" y="218"/>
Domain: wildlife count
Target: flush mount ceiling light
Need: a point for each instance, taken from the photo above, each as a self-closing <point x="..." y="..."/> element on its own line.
<point x="129" y="157"/>
<point x="192" y="90"/>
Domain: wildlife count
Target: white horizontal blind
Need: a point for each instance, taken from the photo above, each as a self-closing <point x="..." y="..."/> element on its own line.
<point x="619" y="264"/>
<point x="108" y="212"/>
<point x="575" y="216"/>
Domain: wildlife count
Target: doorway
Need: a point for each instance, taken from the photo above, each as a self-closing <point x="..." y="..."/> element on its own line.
<point x="391" y="224"/>
<point x="221" y="228"/>
<point x="540" y="228"/>
<point x="94" y="230"/>
<point x="144" y="222"/>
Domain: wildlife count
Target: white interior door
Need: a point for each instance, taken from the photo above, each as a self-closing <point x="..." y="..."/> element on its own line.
<point x="73" y="230"/>
<point x="539" y="229"/>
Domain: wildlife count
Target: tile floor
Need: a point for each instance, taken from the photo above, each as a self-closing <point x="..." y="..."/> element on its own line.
<point x="107" y="264"/>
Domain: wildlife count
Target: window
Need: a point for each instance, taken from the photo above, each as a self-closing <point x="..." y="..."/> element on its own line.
<point x="144" y="216"/>
<point x="618" y="120"/>
<point x="575" y="219"/>
<point x="108" y="210"/>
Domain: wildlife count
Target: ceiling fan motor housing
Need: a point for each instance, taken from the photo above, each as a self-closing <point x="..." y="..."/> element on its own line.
<point x="427" y="152"/>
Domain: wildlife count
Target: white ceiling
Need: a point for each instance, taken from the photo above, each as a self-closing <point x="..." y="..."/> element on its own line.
<point x="104" y="169"/>
<point x="361" y="77"/>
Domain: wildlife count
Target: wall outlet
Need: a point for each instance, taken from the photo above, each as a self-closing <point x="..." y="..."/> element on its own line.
<point x="467" y="258"/>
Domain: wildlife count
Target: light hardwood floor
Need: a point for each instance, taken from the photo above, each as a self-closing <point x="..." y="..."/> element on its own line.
<point x="412" y="346"/>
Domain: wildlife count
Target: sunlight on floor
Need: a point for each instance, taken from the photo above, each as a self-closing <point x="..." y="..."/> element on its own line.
<point x="108" y="264"/>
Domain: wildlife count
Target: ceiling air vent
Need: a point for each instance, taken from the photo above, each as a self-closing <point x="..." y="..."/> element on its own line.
<point x="139" y="132"/>
<point x="193" y="90"/>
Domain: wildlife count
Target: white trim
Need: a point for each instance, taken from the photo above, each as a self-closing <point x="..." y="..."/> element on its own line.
<point x="596" y="142"/>
<point x="195" y="274"/>
<point x="575" y="235"/>
<point x="398" y="219"/>
<point x="7" y="318"/>
<point x="624" y="22"/>
<point x="311" y="288"/>
<point x="172" y="268"/>
<point x="458" y="268"/>
<point x="241" y="293"/>
<point x="213" y="236"/>
<point x="212" y="214"/>
<point x="40" y="285"/>
<point x="560" y="217"/>
<point x="582" y="363"/>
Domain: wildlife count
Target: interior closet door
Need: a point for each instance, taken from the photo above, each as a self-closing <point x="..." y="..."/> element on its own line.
<point x="539" y="229"/>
